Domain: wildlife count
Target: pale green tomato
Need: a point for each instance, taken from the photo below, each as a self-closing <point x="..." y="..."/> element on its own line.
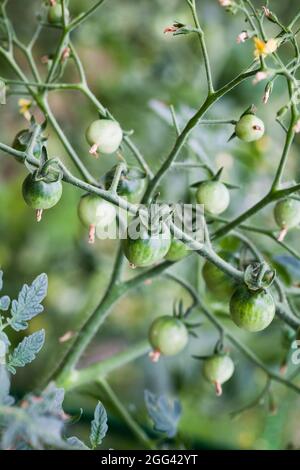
<point x="287" y="213"/>
<point x="218" y="369"/>
<point x="106" y="135"/>
<point x="93" y="210"/>
<point x="168" y="335"/>
<point x="214" y="196"/>
<point x="249" y="128"/>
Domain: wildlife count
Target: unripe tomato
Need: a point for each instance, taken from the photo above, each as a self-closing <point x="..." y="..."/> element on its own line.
<point x="55" y="14"/>
<point x="214" y="196"/>
<point x="17" y="145"/>
<point x="147" y="248"/>
<point x="94" y="211"/>
<point x="167" y="336"/>
<point x="287" y="215"/>
<point x="218" y="369"/>
<point x="104" y="135"/>
<point x="177" y="251"/>
<point x="252" y="310"/>
<point x="131" y="185"/>
<point x="40" y="194"/>
<point x="249" y="128"/>
<point x="216" y="281"/>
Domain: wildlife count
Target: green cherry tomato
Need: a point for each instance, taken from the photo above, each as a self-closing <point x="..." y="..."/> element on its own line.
<point x="177" y="251"/>
<point x="93" y="211"/>
<point x="216" y="281"/>
<point x="249" y="128"/>
<point x="104" y="135"/>
<point x="287" y="213"/>
<point x="17" y="144"/>
<point x="252" y="310"/>
<point x="131" y="185"/>
<point x="146" y="249"/>
<point x="40" y="194"/>
<point x="167" y="336"/>
<point x="55" y="14"/>
<point x="214" y="196"/>
<point x="218" y="369"/>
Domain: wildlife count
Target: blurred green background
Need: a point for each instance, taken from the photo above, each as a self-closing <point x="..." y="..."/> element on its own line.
<point x="130" y="62"/>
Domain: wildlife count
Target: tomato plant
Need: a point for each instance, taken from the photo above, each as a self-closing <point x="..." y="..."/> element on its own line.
<point x="235" y="259"/>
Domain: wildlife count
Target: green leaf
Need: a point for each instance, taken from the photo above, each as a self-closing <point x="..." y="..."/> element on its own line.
<point x="4" y="303"/>
<point x="98" y="426"/>
<point x="28" y="304"/>
<point x="1" y="280"/>
<point x="164" y="413"/>
<point x="26" y="351"/>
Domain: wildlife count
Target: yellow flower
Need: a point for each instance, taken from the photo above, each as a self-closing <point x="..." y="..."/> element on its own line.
<point x="263" y="48"/>
<point x="24" y="106"/>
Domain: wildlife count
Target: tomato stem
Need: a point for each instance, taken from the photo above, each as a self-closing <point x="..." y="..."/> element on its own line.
<point x="218" y="388"/>
<point x="92" y="232"/>
<point x="39" y="214"/>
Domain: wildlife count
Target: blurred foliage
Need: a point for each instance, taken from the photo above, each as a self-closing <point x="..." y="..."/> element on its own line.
<point x="130" y="62"/>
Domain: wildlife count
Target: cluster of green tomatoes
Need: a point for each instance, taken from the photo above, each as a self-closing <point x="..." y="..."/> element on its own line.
<point x="252" y="310"/>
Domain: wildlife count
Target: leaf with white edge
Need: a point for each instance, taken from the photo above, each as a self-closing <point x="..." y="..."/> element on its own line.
<point x="28" y="304"/>
<point x="1" y="280"/>
<point x="77" y="443"/>
<point x="164" y="413"/>
<point x="4" y="303"/>
<point x="26" y="351"/>
<point x="98" y="426"/>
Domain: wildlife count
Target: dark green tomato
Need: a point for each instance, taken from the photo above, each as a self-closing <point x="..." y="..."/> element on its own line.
<point x="39" y="194"/>
<point x="131" y="185"/>
<point x="216" y="281"/>
<point x="252" y="310"/>
<point x="147" y="249"/>
<point x="168" y="335"/>
<point x="177" y="251"/>
<point x="17" y="145"/>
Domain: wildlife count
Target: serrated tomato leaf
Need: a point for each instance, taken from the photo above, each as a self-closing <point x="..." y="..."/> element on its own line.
<point x="164" y="413"/>
<point x="26" y="351"/>
<point x="28" y="304"/>
<point x="98" y="426"/>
